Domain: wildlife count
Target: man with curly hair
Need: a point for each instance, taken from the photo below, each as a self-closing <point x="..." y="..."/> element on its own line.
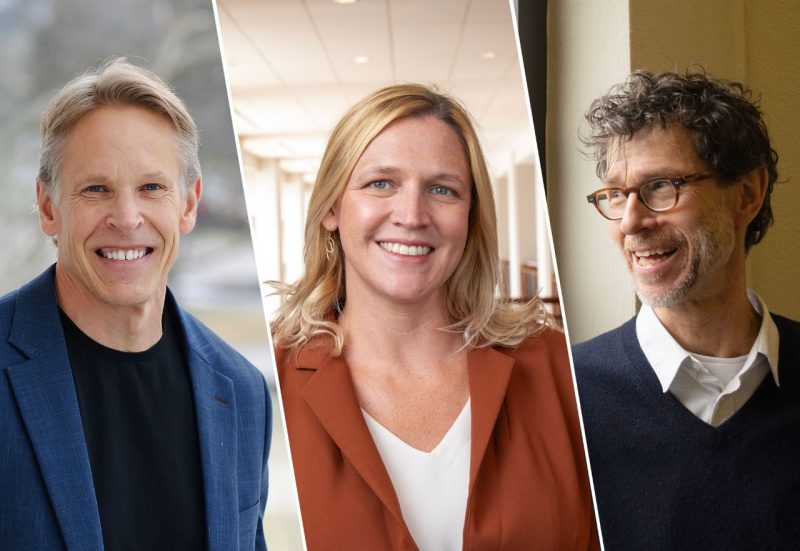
<point x="692" y="408"/>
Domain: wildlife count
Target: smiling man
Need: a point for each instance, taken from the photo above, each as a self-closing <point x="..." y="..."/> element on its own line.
<point x="126" y="423"/>
<point x="692" y="408"/>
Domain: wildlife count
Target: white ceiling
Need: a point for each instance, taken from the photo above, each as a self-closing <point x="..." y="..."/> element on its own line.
<point x="291" y="68"/>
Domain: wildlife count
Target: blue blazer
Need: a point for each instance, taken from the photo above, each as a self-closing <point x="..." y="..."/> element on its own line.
<point x="47" y="498"/>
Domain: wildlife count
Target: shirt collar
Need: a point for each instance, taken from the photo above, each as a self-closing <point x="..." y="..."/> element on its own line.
<point x="660" y="348"/>
<point x="768" y="338"/>
<point x="666" y="355"/>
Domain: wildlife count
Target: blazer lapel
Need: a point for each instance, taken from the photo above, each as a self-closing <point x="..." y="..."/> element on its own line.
<point x="331" y="396"/>
<point x="45" y="393"/>
<point x="489" y="373"/>
<point x="215" y="407"/>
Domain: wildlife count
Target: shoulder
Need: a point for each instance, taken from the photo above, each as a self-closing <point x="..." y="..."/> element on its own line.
<point x="788" y="350"/>
<point x="285" y="358"/>
<point x="222" y="357"/>
<point x="296" y="366"/>
<point x="603" y="349"/>
<point x="8" y="354"/>
<point x="8" y="303"/>
<point x="787" y="328"/>
<point x="611" y="370"/>
<point x="541" y="361"/>
<point x="549" y="344"/>
<point x="541" y="387"/>
<point x="29" y="318"/>
<point x="37" y="293"/>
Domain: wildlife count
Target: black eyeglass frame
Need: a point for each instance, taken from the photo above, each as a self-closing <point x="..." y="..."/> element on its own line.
<point x="676" y="182"/>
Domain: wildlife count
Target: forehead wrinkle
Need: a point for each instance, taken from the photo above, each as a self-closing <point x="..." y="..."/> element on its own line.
<point x="389" y="170"/>
<point x="107" y="179"/>
<point x="94" y="177"/>
<point x="614" y="155"/>
<point x="675" y="136"/>
<point x="447" y="177"/>
<point x="649" y="174"/>
<point x="379" y="169"/>
<point x="155" y="175"/>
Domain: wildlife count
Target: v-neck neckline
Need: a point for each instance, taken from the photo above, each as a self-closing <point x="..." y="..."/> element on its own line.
<point x="445" y="443"/>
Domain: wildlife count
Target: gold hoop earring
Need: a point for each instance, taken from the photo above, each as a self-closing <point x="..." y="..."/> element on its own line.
<point x="330" y="246"/>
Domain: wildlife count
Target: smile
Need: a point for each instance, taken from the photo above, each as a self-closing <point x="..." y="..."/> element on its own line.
<point x="653" y="256"/>
<point x="405" y="250"/>
<point x="124" y="254"/>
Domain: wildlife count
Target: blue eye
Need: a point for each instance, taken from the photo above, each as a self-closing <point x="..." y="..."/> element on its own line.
<point x="379" y="184"/>
<point x="442" y="190"/>
<point x="97" y="188"/>
<point x="152" y="187"/>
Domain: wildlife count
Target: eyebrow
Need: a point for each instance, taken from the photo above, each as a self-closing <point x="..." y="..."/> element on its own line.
<point x="648" y="176"/>
<point x="104" y="179"/>
<point x="93" y="178"/>
<point x="388" y="170"/>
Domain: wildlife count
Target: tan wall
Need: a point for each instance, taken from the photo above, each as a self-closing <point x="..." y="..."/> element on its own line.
<point x="587" y="52"/>
<point x="755" y="42"/>
<point x="670" y="35"/>
<point x="773" y="66"/>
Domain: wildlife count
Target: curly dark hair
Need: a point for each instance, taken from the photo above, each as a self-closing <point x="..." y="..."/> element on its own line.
<point x="724" y="120"/>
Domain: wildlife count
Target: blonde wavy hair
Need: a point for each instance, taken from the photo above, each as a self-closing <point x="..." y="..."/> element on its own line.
<point x="473" y="304"/>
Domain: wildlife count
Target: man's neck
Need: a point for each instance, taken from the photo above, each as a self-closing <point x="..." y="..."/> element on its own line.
<point x="127" y="328"/>
<point x="720" y="326"/>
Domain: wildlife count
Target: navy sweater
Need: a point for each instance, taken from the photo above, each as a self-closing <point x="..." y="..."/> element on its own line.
<point x="664" y="479"/>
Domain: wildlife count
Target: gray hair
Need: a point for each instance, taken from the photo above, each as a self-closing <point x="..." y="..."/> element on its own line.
<point x="115" y="83"/>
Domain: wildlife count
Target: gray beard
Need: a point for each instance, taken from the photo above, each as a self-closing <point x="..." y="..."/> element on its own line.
<point x="672" y="297"/>
<point x="713" y="244"/>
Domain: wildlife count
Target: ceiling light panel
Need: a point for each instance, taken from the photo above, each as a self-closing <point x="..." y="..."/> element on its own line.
<point x="495" y="37"/>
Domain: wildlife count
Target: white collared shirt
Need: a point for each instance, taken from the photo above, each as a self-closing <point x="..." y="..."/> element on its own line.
<point x="713" y="389"/>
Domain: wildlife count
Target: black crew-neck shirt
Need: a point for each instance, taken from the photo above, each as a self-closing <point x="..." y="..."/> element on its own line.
<point x="137" y="410"/>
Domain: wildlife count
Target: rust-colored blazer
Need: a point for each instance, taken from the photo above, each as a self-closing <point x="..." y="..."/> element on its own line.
<point x="528" y="486"/>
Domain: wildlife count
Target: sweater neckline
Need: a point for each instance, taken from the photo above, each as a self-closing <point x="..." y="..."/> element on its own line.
<point x="670" y="411"/>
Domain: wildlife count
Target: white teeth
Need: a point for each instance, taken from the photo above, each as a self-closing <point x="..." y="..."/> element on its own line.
<point x="406" y="250"/>
<point x="642" y="254"/>
<point x="651" y="257"/>
<point x="129" y="254"/>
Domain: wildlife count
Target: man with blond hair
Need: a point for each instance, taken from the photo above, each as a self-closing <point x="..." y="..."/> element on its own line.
<point x="126" y="423"/>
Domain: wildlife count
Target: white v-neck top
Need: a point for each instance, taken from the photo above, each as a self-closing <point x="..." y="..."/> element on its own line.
<point x="432" y="487"/>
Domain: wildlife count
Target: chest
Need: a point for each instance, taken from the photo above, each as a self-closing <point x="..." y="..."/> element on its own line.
<point x="417" y="406"/>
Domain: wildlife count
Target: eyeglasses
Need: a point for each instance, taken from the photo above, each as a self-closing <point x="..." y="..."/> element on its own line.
<point x="657" y="195"/>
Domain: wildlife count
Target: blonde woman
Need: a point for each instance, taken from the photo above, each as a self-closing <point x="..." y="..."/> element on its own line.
<point x="423" y="412"/>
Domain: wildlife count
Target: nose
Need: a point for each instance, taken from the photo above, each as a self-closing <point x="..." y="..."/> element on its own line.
<point x="411" y="207"/>
<point x="636" y="216"/>
<point x="124" y="211"/>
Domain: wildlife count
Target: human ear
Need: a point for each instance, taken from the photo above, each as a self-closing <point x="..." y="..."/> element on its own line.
<point x="189" y="213"/>
<point x="331" y="220"/>
<point x="48" y="215"/>
<point x="751" y="195"/>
